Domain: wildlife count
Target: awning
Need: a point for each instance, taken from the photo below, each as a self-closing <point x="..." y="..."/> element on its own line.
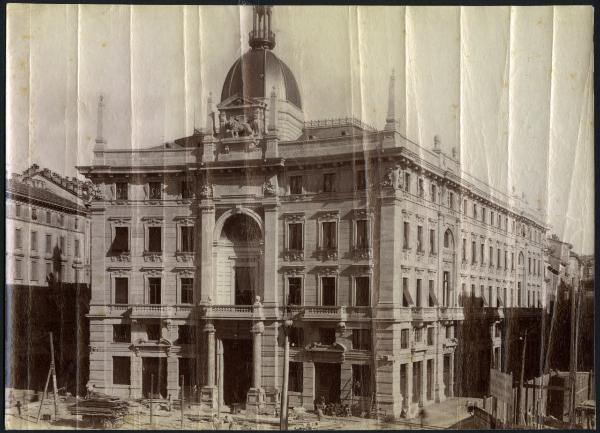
<point x="406" y="294"/>
<point x="499" y="298"/>
<point x="432" y="296"/>
<point x="483" y="298"/>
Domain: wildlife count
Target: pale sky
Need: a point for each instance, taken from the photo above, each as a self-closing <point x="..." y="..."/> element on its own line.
<point x="512" y="87"/>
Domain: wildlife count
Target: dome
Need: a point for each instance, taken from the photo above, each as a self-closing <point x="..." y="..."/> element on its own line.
<point x="255" y="74"/>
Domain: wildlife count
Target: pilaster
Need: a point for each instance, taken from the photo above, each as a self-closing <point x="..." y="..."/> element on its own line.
<point x="272" y="298"/>
<point x="207" y="211"/>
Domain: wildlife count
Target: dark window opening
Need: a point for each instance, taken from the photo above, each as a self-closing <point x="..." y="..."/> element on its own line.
<point x="362" y="292"/>
<point x="244" y="285"/>
<point x="361" y="339"/>
<point x="121" y="290"/>
<point x="296" y="377"/>
<point x="187" y="239"/>
<point x="295" y="240"/>
<point x="419" y="239"/>
<point x="406" y="238"/>
<point x="430" y="336"/>
<point x="121" y="189"/>
<point x="329" y="182"/>
<point x="361" y="180"/>
<point x="404" y="338"/>
<point x="187" y="334"/>
<point x="329" y="235"/>
<point x="187" y="290"/>
<point x="295" y="291"/>
<point x="121" y="241"/>
<point x="153" y="331"/>
<point x="362" y="234"/>
<point x="154" y="286"/>
<point x="122" y="333"/>
<point x="34" y="215"/>
<point x="361" y="380"/>
<point x="295" y="184"/>
<point x="155" y="190"/>
<point x="121" y="370"/>
<point x="419" y="294"/>
<point x="327" y="336"/>
<point x="328" y="289"/>
<point x="432" y="242"/>
<point x="154" y="239"/>
<point x="296" y="336"/>
<point x="186" y="189"/>
<point x="405" y="300"/>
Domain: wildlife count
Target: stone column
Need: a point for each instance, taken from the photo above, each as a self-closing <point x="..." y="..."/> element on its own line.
<point x="424" y="380"/>
<point x="271" y="254"/>
<point x="207" y="211"/>
<point x="450" y="391"/>
<point x="438" y="366"/>
<point x="409" y="406"/>
<point x="256" y="395"/>
<point x="208" y="393"/>
<point x="221" y="366"/>
<point x="136" y="376"/>
<point x="390" y="292"/>
<point x="172" y="375"/>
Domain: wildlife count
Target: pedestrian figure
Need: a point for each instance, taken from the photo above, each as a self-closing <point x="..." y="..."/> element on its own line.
<point x="19" y="407"/>
<point x="169" y="403"/>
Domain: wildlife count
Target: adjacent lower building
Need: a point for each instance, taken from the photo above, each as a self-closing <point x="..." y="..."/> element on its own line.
<point x="367" y="243"/>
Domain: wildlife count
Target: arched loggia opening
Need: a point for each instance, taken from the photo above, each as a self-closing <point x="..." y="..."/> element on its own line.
<point x="239" y="265"/>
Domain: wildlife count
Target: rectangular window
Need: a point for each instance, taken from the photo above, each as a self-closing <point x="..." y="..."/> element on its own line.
<point x="187" y="290"/>
<point x="187" y="239"/>
<point x="418" y="335"/>
<point x="490" y="298"/>
<point x="361" y="180"/>
<point x="61" y="219"/>
<point x="363" y="296"/>
<point x="483" y="210"/>
<point x="154" y="286"/>
<point x="62" y="245"/>
<point x="186" y="334"/>
<point x="121" y="190"/>
<point x="473" y="252"/>
<point x="19" y="269"/>
<point x="122" y="333"/>
<point x="430" y="336"/>
<point x="76" y="224"/>
<point x="155" y="190"/>
<point x="492" y="217"/>
<point x="296" y="377"/>
<point x="294" y="291"/>
<point x="362" y="234"/>
<point x="33" y="241"/>
<point x="432" y="242"/>
<point x="186" y="189"/>
<point x="296" y="336"/>
<point x="464" y="250"/>
<point x="121" y="290"/>
<point x="465" y="204"/>
<point x="406" y="238"/>
<point x="295" y="240"/>
<point x="491" y="257"/>
<point x="34" y="271"/>
<point x="451" y="200"/>
<point x="505" y="260"/>
<point x="34" y="214"/>
<point x="121" y="241"/>
<point x="430" y="299"/>
<point x="419" y="239"/>
<point x="295" y="184"/>
<point x="328" y="291"/>
<point x="48" y="217"/>
<point x="404" y="338"/>
<point x="405" y="300"/>
<point x="329" y="182"/>
<point x="482" y="251"/>
<point x="419" y="294"/>
<point x="329" y="235"/>
<point x="474" y="211"/>
<point x="18" y="238"/>
<point x="76" y="247"/>
<point x="327" y="336"/>
<point x="407" y="182"/>
<point x="153" y="331"/>
<point x="361" y="339"/>
<point x="421" y="188"/>
<point x="121" y="370"/>
<point x="433" y="193"/>
<point x="498" y="258"/>
<point x="48" y="244"/>
<point x="361" y="380"/>
<point x="512" y="261"/>
<point x="18" y="210"/>
<point x="154" y="239"/>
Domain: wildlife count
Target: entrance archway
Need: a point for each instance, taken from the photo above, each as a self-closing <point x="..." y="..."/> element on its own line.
<point x="239" y="264"/>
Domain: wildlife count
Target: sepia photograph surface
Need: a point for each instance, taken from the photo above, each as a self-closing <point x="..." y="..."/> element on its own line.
<point x="299" y="217"/>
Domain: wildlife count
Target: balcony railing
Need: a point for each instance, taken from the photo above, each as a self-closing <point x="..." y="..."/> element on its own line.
<point x="231" y="312"/>
<point x="424" y="314"/>
<point x="151" y="310"/>
<point x="320" y="312"/>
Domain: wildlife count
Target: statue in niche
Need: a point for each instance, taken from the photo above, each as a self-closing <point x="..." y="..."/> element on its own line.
<point x="206" y="191"/>
<point x="392" y="178"/>
<point x="270" y="187"/>
<point x="257" y="124"/>
<point x="238" y="127"/>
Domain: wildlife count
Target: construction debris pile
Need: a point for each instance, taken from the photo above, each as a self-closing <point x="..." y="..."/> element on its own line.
<point x="101" y="410"/>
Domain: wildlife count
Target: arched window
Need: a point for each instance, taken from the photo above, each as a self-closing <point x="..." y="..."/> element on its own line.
<point x="448" y="239"/>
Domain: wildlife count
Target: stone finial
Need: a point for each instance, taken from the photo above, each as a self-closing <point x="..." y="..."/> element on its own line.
<point x="210" y="115"/>
<point x="99" y="126"/>
<point x="390" y="120"/>
<point x="436" y="144"/>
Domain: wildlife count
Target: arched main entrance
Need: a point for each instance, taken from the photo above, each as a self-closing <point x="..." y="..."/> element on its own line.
<point x="239" y="264"/>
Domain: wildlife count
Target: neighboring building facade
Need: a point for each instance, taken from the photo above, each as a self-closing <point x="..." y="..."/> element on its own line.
<point x="372" y="241"/>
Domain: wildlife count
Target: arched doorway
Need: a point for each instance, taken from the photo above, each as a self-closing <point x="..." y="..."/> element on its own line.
<point x="238" y="273"/>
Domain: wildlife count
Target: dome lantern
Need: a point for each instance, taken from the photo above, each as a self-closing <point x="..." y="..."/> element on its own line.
<point x="261" y="36"/>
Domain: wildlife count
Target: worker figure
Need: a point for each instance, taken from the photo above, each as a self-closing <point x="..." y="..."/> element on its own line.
<point x="169" y="403"/>
<point x="19" y="407"/>
<point x="91" y="388"/>
<point x="422" y="415"/>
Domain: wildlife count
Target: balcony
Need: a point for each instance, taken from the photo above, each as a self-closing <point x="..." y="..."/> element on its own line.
<point x="358" y="313"/>
<point x="151" y="310"/>
<point x="362" y="253"/>
<point x="424" y="314"/>
<point x="418" y="346"/>
<point x="293" y="255"/>
<point x="232" y="312"/>
<point x="494" y="313"/>
<point x="451" y="313"/>
<point x="328" y="313"/>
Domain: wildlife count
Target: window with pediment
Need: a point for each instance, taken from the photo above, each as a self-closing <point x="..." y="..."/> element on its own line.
<point x="294" y="237"/>
<point x="362" y="226"/>
<point x="328" y="235"/>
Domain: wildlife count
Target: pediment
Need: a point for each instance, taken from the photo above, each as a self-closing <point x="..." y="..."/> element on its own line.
<point x="237" y="101"/>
